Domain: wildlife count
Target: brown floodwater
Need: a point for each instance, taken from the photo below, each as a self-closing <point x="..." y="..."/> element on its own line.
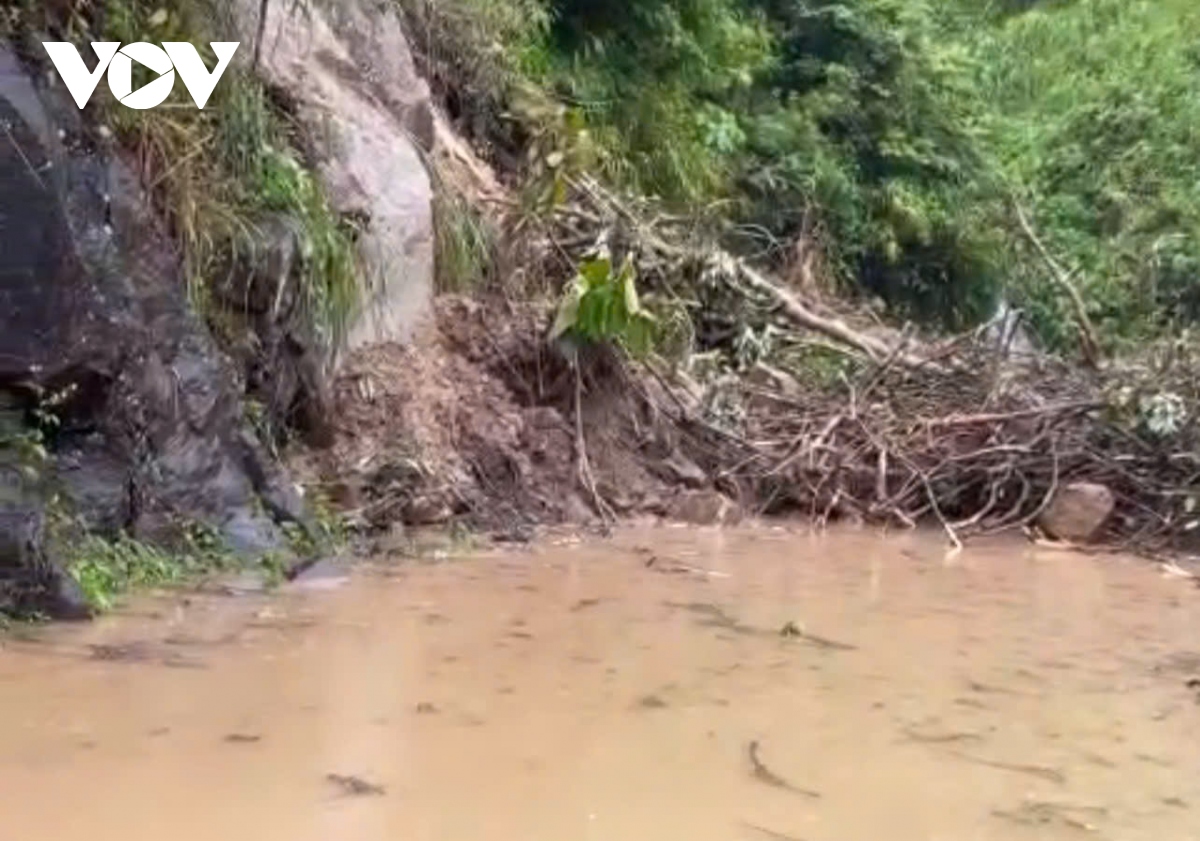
<point x="665" y="684"/>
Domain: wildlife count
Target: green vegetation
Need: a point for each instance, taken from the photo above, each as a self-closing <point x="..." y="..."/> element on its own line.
<point x="324" y="534"/>
<point x="464" y="243"/>
<point x="899" y="137"/>
<point x="218" y="170"/>
<point x="1093" y="121"/>
<point x="601" y="305"/>
<point x="106" y="568"/>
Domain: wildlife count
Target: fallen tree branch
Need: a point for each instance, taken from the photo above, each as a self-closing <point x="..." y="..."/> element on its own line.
<point x="1089" y="344"/>
<point x="835" y="329"/>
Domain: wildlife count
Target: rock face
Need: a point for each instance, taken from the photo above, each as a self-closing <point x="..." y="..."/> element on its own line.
<point x="93" y="313"/>
<point x="348" y="71"/>
<point x="282" y="361"/>
<point x="1077" y="512"/>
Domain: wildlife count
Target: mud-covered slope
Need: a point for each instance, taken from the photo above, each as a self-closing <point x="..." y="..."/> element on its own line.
<point x="477" y="423"/>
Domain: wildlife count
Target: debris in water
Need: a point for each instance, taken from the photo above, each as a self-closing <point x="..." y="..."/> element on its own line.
<point x="940" y="738"/>
<point x="1043" y="813"/>
<point x="791" y="630"/>
<point x="127" y="652"/>
<point x="651" y="702"/>
<point x="355" y="786"/>
<point x="1041" y="771"/>
<point x="765" y="775"/>
<point x="175" y="661"/>
<point x="771" y="833"/>
<point x="243" y="738"/>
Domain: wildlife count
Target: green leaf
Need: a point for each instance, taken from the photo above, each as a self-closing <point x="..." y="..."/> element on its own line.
<point x="568" y="310"/>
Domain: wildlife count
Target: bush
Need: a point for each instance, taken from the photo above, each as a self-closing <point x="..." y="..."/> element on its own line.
<point x="1094" y="107"/>
<point x="895" y="133"/>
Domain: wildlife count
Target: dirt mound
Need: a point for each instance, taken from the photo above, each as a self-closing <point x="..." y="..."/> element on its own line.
<point x="477" y="424"/>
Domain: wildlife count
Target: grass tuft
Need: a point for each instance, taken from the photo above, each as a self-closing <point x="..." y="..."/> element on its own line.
<point x="215" y="172"/>
<point x="107" y="568"/>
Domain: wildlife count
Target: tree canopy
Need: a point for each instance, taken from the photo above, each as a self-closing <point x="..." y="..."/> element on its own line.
<point x="938" y="152"/>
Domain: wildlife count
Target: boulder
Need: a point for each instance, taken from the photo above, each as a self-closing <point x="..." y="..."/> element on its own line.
<point x="94" y="318"/>
<point x="29" y="581"/>
<point x="1077" y="512"/>
<point x="347" y="70"/>
<point x="704" y="508"/>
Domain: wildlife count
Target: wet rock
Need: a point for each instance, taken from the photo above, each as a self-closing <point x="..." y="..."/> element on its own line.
<point x="93" y="312"/>
<point x="284" y="364"/>
<point x="348" y="70"/>
<point x="29" y="580"/>
<point x="1077" y="512"/>
<point x="704" y="508"/>
<point x="678" y="469"/>
<point x="259" y="274"/>
<point x="97" y="482"/>
<point x="63" y="598"/>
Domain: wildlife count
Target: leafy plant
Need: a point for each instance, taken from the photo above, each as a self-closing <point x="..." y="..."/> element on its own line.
<point x="601" y="305"/>
<point x="106" y="568"/>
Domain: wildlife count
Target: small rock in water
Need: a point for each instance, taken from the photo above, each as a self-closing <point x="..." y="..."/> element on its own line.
<point x="1078" y="511"/>
<point x="704" y="508"/>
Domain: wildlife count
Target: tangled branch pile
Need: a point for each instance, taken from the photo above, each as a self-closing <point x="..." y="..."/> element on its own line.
<point x="792" y="405"/>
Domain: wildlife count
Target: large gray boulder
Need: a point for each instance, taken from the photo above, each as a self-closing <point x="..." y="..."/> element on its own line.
<point x="93" y="311"/>
<point x="347" y="69"/>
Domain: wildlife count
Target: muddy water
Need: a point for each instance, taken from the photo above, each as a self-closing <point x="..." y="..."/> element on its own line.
<point x="614" y="691"/>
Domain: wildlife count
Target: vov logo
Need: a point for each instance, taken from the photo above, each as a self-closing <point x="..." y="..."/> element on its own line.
<point x="172" y="57"/>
